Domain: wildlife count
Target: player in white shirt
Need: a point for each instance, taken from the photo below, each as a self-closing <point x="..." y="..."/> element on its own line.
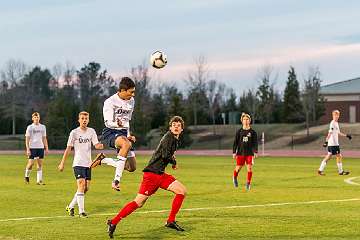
<point x="35" y="142"/>
<point x="333" y="146"/>
<point x="117" y="113"/>
<point x="81" y="139"/>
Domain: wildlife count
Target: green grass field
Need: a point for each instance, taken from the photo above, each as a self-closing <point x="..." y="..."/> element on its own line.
<point x="209" y="184"/>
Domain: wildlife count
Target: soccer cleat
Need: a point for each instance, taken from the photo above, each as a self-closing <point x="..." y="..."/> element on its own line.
<point x="235" y="181"/>
<point x="83" y="215"/>
<point x="116" y="185"/>
<point x="97" y="160"/>
<point x="40" y="183"/>
<point x="70" y="211"/>
<point x="247" y="187"/>
<point x="321" y="173"/>
<point x="344" y="173"/>
<point x="174" y="225"/>
<point x="111" y="228"/>
<point x="27" y="180"/>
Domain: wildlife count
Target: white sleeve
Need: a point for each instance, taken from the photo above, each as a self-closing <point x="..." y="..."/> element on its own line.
<point x="71" y="139"/>
<point x="27" y="134"/>
<point x="44" y="133"/>
<point x="94" y="138"/>
<point x="108" y="113"/>
<point x="331" y="128"/>
<point x="132" y="109"/>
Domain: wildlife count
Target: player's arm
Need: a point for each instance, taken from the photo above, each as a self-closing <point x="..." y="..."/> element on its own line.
<point x="62" y="163"/>
<point x="46" y="146"/>
<point x="95" y="141"/>
<point x="255" y="143"/>
<point x="108" y="113"/>
<point x="345" y="135"/>
<point x="27" y="143"/>
<point x="236" y="142"/>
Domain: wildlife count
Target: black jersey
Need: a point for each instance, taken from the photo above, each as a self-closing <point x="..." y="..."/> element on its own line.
<point x="245" y="143"/>
<point x="163" y="155"/>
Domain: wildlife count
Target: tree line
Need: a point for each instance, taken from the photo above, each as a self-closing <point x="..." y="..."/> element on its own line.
<point x="61" y="92"/>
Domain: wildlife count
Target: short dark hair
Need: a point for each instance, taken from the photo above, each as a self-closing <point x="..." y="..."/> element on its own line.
<point x="177" y="119"/>
<point x="126" y="83"/>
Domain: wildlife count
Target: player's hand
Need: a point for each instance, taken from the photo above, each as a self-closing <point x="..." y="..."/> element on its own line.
<point x="119" y="122"/>
<point x="99" y="146"/>
<point x="28" y="153"/>
<point x="234" y="155"/>
<point x="61" y="167"/>
<point x="349" y="136"/>
<point x="325" y="144"/>
<point x="46" y="151"/>
<point x="131" y="138"/>
<point x="174" y="166"/>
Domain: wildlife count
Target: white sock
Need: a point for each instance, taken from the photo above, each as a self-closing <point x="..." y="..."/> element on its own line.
<point x="119" y="168"/>
<point x="322" y="165"/>
<point x="27" y="172"/>
<point x="339" y="165"/>
<point x="110" y="161"/>
<point x="39" y="175"/>
<point x="73" y="201"/>
<point x="80" y="200"/>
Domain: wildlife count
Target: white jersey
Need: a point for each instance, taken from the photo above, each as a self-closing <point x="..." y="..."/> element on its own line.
<point x="117" y="108"/>
<point x="81" y="141"/>
<point x="36" y="132"/>
<point x="334" y="131"/>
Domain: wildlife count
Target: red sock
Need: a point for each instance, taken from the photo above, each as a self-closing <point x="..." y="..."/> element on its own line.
<point x="176" y="205"/>
<point x="125" y="211"/>
<point x="236" y="173"/>
<point x="249" y="175"/>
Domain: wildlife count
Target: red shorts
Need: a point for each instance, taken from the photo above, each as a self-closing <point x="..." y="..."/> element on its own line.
<point x="241" y="160"/>
<point x="152" y="182"/>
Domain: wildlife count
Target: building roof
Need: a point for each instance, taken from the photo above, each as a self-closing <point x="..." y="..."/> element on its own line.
<point x="351" y="86"/>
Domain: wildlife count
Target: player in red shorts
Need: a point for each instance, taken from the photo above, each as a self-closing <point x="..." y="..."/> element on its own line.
<point x="245" y="149"/>
<point x="154" y="177"/>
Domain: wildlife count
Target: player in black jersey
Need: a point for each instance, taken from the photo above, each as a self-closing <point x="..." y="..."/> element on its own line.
<point x="154" y="177"/>
<point x="245" y="149"/>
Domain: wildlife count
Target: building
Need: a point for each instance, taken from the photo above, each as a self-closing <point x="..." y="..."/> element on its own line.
<point x="344" y="96"/>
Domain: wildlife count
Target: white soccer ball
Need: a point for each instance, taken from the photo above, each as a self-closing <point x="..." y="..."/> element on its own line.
<point x="158" y="59"/>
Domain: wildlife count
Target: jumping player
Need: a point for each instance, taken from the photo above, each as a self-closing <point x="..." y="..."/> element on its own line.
<point x="35" y="142"/>
<point x="81" y="139"/>
<point x="245" y="149"/>
<point x="117" y="113"/>
<point x="332" y="144"/>
<point x="154" y="177"/>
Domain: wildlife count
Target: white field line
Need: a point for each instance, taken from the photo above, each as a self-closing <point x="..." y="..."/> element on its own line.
<point x="197" y="209"/>
<point x="350" y="181"/>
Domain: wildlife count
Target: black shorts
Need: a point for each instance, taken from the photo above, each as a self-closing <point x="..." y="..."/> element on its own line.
<point x="82" y="172"/>
<point x="36" y="153"/>
<point x="108" y="136"/>
<point x="334" y="150"/>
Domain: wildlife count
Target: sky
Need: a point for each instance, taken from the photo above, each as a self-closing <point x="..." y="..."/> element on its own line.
<point x="237" y="37"/>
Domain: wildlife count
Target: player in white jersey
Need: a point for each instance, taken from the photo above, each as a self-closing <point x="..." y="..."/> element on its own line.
<point x="117" y="113"/>
<point x="81" y="139"/>
<point x="35" y="142"/>
<point x="332" y="143"/>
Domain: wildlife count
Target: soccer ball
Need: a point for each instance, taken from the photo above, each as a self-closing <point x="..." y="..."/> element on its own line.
<point x="158" y="59"/>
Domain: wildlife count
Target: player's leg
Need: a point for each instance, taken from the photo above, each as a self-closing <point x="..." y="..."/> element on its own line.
<point x="180" y="191"/>
<point x="123" y="145"/>
<point x="130" y="164"/>
<point x="340" y="166"/>
<point x="80" y="196"/>
<point x="249" y="166"/>
<point x="39" y="173"/>
<point x="323" y="163"/>
<point x="28" y="168"/>
<point x="240" y="161"/>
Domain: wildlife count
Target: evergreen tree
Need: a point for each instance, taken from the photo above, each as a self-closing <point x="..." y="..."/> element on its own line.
<point x="292" y="110"/>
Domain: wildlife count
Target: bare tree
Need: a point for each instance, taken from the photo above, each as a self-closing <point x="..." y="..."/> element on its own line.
<point x="57" y="72"/>
<point x="197" y="80"/>
<point x="12" y="73"/>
